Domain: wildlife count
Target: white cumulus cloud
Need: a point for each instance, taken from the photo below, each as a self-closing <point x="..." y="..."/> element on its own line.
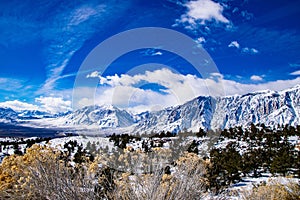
<point x="205" y="10"/>
<point x="201" y="11"/>
<point x="48" y="104"/>
<point x="200" y="40"/>
<point x="256" y="78"/>
<point x="234" y="44"/>
<point x="17" y="105"/>
<point x="53" y="104"/>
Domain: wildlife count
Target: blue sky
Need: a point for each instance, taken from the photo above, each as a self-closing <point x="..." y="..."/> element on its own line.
<point x="255" y="45"/>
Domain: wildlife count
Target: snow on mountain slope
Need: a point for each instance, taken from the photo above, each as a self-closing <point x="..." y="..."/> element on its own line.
<point x="7" y="115"/>
<point x="96" y="116"/>
<point x="34" y="114"/>
<point x="268" y="107"/>
<point x="192" y="115"/>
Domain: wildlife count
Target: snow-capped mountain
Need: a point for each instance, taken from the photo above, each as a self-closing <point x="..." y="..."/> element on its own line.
<point x="192" y="115"/>
<point x="268" y="107"/>
<point x="96" y="116"/>
<point x="7" y="115"/>
<point x="34" y="114"/>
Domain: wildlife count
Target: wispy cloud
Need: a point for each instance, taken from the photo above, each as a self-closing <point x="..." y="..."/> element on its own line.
<point x="295" y="73"/>
<point x="10" y="84"/>
<point x="151" y="52"/>
<point x="12" y="87"/>
<point x="61" y="26"/>
<point x="250" y="50"/>
<point x="294" y="65"/>
<point x="266" y="40"/>
<point x="74" y="27"/>
<point x="244" y="13"/>
<point x="247" y="15"/>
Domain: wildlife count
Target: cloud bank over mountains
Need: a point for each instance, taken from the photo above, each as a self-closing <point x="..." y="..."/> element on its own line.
<point x="52" y="105"/>
<point x="152" y="90"/>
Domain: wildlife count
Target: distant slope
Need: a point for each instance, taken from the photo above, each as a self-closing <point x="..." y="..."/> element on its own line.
<point x="96" y="116"/>
<point x="7" y="115"/>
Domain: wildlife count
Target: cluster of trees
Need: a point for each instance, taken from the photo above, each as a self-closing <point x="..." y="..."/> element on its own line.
<point x="225" y="167"/>
<point x="148" y="142"/>
<point x="247" y="152"/>
<point x="163" y="134"/>
<point x="15" y="144"/>
<point x="253" y="151"/>
<point x="72" y="150"/>
<point x="122" y="140"/>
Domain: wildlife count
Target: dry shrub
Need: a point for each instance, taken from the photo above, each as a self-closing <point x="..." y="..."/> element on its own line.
<point x="274" y="190"/>
<point x="186" y="182"/>
<point x="44" y="173"/>
<point x="41" y="174"/>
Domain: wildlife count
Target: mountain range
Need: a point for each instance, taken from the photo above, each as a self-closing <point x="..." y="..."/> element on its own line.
<point x="268" y="107"/>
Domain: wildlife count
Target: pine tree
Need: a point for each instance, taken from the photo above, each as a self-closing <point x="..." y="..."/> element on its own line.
<point x="252" y="160"/>
<point x="283" y="160"/>
<point x="232" y="163"/>
<point x="193" y="148"/>
<point x="17" y="150"/>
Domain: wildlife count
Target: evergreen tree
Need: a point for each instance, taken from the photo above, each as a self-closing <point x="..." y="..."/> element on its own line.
<point x="283" y="160"/>
<point x="252" y="161"/>
<point x="297" y="163"/>
<point x="232" y="163"/>
<point x="193" y="148"/>
<point x="80" y="155"/>
<point x="226" y="165"/>
<point x="215" y="172"/>
<point x="17" y="150"/>
<point x="201" y="133"/>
